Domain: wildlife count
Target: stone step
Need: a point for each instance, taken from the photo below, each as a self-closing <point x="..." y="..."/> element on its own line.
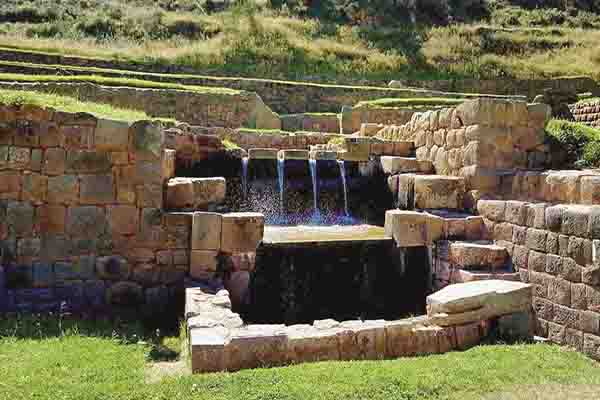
<point x="262" y="154"/>
<point x="477" y="256"/>
<point x="392" y="165"/>
<point x="194" y="193"/>
<point x="428" y="192"/>
<point x="461" y="275"/>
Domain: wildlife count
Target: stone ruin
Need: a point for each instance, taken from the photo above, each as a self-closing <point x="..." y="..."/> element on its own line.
<point x="296" y="249"/>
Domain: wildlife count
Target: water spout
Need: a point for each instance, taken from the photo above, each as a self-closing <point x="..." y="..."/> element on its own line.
<point x="245" y="177"/>
<point x="281" y="177"/>
<point x="343" y="175"/>
<point x="313" y="173"/>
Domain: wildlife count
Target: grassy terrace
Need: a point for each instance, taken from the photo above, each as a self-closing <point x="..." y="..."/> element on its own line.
<point x="69" y="104"/>
<point x="410" y="102"/>
<point x="78" y="72"/>
<point x="581" y="142"/>
<point x="109" y="81"/>
<point x="100" y="360"/>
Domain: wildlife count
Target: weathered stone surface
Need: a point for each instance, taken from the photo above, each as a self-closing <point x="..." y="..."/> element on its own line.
<point x="467" y="335"/>
<point x="207" y="347"/>
<point x="10" y="185"/>
<point x="309" y="344"/>
<point x="52" y="218"/>
<point x="194" y="193"/>
<point x="35" y="187"/>
<point x="123" y="220"/>
<point x="111" y="135"/>
<point x="516" y="212"/>
<point x="241" y="232"/>
<point x="86" y="221"/>
<point x="113" y="268"/>
<point x="206" y="231"/>
<point x="146" y="137"/>
<point x="20" y="218"/>
<point x="362" y="340"/>
<point x="411" y="228"/>
<point x="63" y="189"/>
<point x="468" y="254"/>
<point x="492" y="209"/>
<point x="492" y="298"/>
<point x="97" y="189"/>
<point x="398" y="165"/>
<point x="262" y="154"/>
<point x="293" y="154"/>
<point x="203" y="264"/>
<point x="433" y="191"/>
<point x="256" y="346"/>
<point x="127" y="294"/>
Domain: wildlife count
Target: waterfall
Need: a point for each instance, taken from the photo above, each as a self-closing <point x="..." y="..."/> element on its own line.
<point x="313" y="173"/>
<point x="343" y="175"/>
<point x="245" y="177"/>
<point x="281" y="177"/>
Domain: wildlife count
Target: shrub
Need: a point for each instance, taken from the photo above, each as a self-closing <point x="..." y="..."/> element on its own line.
<point x="580" y="142"/>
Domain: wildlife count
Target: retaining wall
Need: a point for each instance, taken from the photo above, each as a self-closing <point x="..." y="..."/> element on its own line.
<point x="526" y="87"/>
<point x="587" y="113"/>
<point x="228" y="109"/>
<point x="480" y="140"/>
<point x="81" y="215"/>
<point x="554" y="247"/>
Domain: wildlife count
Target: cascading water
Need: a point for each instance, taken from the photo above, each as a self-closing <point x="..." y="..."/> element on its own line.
<point x="245" y="176"/>
<point x="343" y="175"/>
<point x="313" y="173"/>
<point x="281" y="177"/>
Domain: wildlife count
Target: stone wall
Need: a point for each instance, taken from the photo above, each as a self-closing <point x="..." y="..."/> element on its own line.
<point x="354" y="117"/>
<point x="225" y="109"/>
<point x="587" y="113"/>
<point x="284" y="97"/>
<point x="81" y="215"/>
<point x="554" y="247"/>
<point x="525" y="87"/>
<point x="480" y="140"/>
<point x="327" y="122"/>
<point x="220" y="341"/>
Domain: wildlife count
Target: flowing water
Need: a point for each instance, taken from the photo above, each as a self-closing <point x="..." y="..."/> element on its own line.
<point x="245" y="176"/>
<point x="281" y="178"/>
<point x="343" y="175"/>
<point x="313" y="173"/>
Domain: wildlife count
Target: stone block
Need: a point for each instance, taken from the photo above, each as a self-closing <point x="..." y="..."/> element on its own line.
<point x="536" y="261"/>
<point x="74" y="137"/>
<point x="554" y="217"/>
<point x="150" y="196"/>
<point x="492" y="209"/>
<point x="114" y="268"/>
<point x="255" y="346"/>
<point x="400" y="339"/>
<point x="123" y="220"/>
<point x="206" y="231"/>
<point x="87" y="162"/>
<point x="54" y="161"/>
<point x="10" y="185"/>
<point x="433" y="191"/>
<point x="552" y="243"/>
<point x="517" y="326"/>
<point x="397" y="165"/>
<point x="194" y="193"/>
<point x="86" y="221"/>
<point x="19" y="158"/>
<point x="52" y="218"/>
<point x="35" y="187"/>
<point x="411" y="228"/>
<point x="516" y="212"/>
<point x="63" y="189"/>
<point x="575" y="220"/>
<point x="146" y="137"/>
<point x="111" y="135"/>
<point x="367" y="341"/>
<point x="591" y="346"/>
<point x="97" y="189"/>
<point x="309" y="344"/>
<point x="207" y="349"/>
<point x="55" y="247"/>
<point x="590" y="189"/>
<point x="20" y="219"/>
<point x="168" y="164"/>
<point x="241" y="232"/>
<point x="474" y="255"/>
<point x="535" y="239"/>
<point x="503" y="231"/>
<point x="467" y="335"/>
<point x="125" y="294"/>
<point x="559" y="291"/>
<point x="147" y="172"/>
<point x="203" y="264"/>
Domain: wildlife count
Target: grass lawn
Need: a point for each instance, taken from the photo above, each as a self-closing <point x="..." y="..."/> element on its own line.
<point x="40" y="360"/>
<point x="69" y="104"/>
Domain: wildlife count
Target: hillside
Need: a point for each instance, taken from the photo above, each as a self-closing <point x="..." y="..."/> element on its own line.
<point x="335" y="40"/>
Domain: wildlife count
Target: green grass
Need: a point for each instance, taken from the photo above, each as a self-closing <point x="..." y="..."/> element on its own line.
<point x="290" y="44"/>
<point x="70" y="104"/>
<point x="410" y="102"/>
<point x="92" y="361"/>
<point x="581" y="142"/>
<point x="108" y="81"/>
